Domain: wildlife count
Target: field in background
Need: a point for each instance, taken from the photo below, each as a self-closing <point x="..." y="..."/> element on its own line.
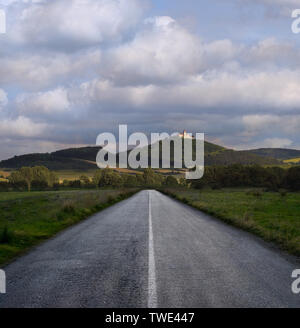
<point x="73" y="174"/>
<point x="4" y="175"/>
<point x="28" y="218"/>
<point x="293" y="161"/>
<point x="274" y="216"/>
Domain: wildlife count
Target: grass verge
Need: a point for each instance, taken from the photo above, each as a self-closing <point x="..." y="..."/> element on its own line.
<point x="275" y="217"/>
<point x="26" y="219"/>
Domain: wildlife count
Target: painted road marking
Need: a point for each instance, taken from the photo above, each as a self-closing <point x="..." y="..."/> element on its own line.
<point x="152" y="290"/>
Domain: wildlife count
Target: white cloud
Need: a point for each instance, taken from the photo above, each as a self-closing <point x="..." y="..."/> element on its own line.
<point x="276" y="143"/>
<point x="69" y="24"/>
<point x="21" y="127"/>
<point x="50" y="102"/>
<point x="38" y="71"/>
<point x="161" y="51"/>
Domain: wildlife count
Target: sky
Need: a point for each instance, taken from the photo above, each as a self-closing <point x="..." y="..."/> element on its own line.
<point x="72" y="69"/>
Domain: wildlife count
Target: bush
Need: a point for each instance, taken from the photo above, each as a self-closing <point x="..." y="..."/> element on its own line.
<point x="5" y="236"/>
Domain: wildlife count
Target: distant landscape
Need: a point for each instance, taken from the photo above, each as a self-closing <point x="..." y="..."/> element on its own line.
<point x="257" y="190"/>
<point x="85" y="158"/>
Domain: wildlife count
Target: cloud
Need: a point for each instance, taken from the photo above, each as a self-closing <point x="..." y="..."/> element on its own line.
<point x="216" y="91"/>
<point x="21" y="127"/>
<point x="38" y="71"/>
<point x="103" y="63"/>
<point x="73" y="24"/>
<point x="50" y="102"/>
<point x="276" y="143"/>
<point x="279" y="2"/>
<point x="274" y="8"/>
<point x="271" y="53"/>
<point x="3" y="98"/>
<point x="155" y="54"/>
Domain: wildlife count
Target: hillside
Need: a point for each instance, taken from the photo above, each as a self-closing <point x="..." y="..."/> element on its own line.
<point x="68" y="159"/>
<point x="228" y="157"/>
<point x="84" y="158"/>
<point x="278" y="153"/>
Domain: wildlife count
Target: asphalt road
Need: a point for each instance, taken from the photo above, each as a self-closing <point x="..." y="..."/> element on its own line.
<point x="151" y="251"/>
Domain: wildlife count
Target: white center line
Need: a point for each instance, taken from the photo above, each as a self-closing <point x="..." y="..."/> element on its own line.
<point x="152" y="293"/>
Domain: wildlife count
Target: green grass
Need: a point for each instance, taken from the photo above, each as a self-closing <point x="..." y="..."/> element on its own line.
<point x="29" y="218"/>
<point x="273" y="216"/>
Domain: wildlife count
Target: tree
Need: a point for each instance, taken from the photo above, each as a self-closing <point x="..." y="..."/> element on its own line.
<point x="84" y="179"/>
<point x="151" y="178"/>
<point x="97" y="177"/>
<point x="39" y="176"/>
<point x="171" y="181"/>
<point x="131" y="181"/>
<point x="108" y="178"/>
<point x="43" y="176"/>
<point x="27" y="175"/>
<point x="292" y="180"/>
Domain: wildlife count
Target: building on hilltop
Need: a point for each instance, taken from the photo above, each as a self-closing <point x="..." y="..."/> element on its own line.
<point x="186" y="135"/>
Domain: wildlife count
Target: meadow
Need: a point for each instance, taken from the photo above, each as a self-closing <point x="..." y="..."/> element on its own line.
<point x="274" y="216"/>
<point x="27" y="218"/>
<point x="292" y="161"/>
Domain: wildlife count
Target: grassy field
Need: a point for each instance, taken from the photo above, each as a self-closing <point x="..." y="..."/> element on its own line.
<point x="293" y="161"/>
<point x="28" y="218"/>
<point x="273" y="216"/>
<point x="73" y="174"/>
<point x="3" y="175"/>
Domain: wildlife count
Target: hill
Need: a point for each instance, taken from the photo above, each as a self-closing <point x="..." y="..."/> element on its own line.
<point x="68" y="159"/>
<point x="278" y="153"/>
<point x="84" y="158"/>
<point x="229" y="157"/>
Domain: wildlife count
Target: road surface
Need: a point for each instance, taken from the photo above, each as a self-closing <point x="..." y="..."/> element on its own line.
<point x="151" y="251"/>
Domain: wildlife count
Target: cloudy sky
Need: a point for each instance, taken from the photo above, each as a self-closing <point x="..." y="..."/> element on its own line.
<point x="71" y="69"/>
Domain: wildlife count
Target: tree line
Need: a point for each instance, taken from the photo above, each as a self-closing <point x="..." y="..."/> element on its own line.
<point x="41" y="178"/>
<point x="270" y="178"/>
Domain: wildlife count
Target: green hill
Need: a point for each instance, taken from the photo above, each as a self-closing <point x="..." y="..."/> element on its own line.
<point x="68" y="159"/>
<point x="278" y="153"/>
<point x="244" y="157"/>
<point x="84" y="158"/>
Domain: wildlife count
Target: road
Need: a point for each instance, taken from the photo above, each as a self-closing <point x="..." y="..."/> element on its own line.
<point x="151" y="251"/>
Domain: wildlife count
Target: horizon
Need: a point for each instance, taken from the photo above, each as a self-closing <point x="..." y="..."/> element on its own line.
<point x="228" y="69"/>
<point x="91" y="145"/>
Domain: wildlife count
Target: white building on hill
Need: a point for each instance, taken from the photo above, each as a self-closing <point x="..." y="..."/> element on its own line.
<point x="186" y="135"/>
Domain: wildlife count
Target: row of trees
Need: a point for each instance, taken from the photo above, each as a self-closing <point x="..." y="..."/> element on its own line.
<point x="37" y="176"/>
<point x="40" y="178"/>
<point x="237" y="175"/>
<point x="272" y="178"/>
<point x="109" y="177"/>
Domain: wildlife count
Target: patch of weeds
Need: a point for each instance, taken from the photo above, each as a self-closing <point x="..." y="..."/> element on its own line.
<point x="69" y="208"/>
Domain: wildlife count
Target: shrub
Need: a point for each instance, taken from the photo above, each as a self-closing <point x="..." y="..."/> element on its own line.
<point x="5" y="236"/>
